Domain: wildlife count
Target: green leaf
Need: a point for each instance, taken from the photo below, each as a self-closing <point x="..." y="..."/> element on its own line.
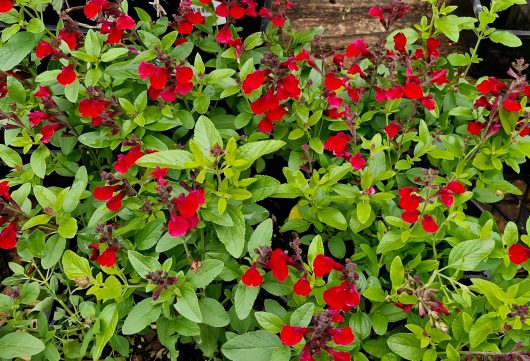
<point x="505" y="38"/>
<point x="364" y="210"/>
<point x="332" y="217"/>
<point x="244" y="300"/>
<point x="269" y="321"/>
<point x="188" y="304"/>
<point x="10" y="157"/>
<point x="213" y="313"/>
<point x="75" y="266"/>
<point x="94" y="140"/>
<point x="466" y="255"/>
<point x="172" y="159"/>
<point x="374" y="294"/>
<point x="36" y="221"/>
<point x="92" y="44"/>
<point x="55" y="246"/>
<point x="140" y="316"/>
<point x="16" y="90"/>
<point x="262" y="236"/>
<point x="208" y="271"/>
<point x="71" y="91"/>
<point x="233" y="237"/>
<point x="67" y="227"/>
<point x="260" y="344"/>
<point x="264" y="187"/>
<point x="111" y="289"/>
<point x="143" y="264"/>
<point x="17" y="49"/>
<point x="252" y="151"/>
<point x="302" y="315"/>
<point x="19" y="344"/>
<point x="113" y="54"/>
<point x="206" y="135"/>
<point x="35" y="26"/>
<point x="316" y="247"/>
<point x="78" y="187"/>
<point x="480" y="330"/>
<point x="406" y="345"/>
<point x="218" y="75"/>
<point x="45" y="197"/>
<point x="150" y="234"/>
<point x="201" y="103"/>
<point x="107" y="320"/>
<point x="397" y="273"/>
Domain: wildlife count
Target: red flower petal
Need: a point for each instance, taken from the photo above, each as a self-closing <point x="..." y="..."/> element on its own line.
<point x="357" y="161"/>
<point x="5" y="6"/>
<point x="43" y="49"/>
<point x="107" y="258"/>
<point x="254" y="81"/>
<point x="224" y="36"/>
<point x="400" y="41"/>
<point x="4" y="190"/>
<point x="8" y="236"/>
<point x="518" y="253"/>
<point x="91" y="107"/>
<point x="291" y="335"/>
<point x="432" y="47"/>
<point x="125" y="22"/>
<point x="475" y="128"/>
<point x="407" y="200"/>
<point x="302" y="287"/>
<point x="456" y="187"/>
<point x="410" y="216"/>
<point x="115" y="203"/>
<point x="188" y="205"/>
<point x="278" y="265"/>
<point x="331" y="82"/>
<point x="413" y="91"/>
<point x="392" y="129"/>
<point x="429" y="224"/>
<point x="511" y="105"/>
<point x="265" y="125"/>
<point x="67" y="75"/>
<point x="184" y="74"/>
<point x="339" y="356"/>
<point x="103" y="193"/>
<point x="69" y="37"/>
<point x="342" y="336"/>
<point x="158" y="78"/>
<point x="126" y="161"/>
<point x="356" y="48"/>
<point x="343" y="297"/>
<point x="323" y="265"/>
<point x="252" y="277"/>
<point x="337" y="143"/>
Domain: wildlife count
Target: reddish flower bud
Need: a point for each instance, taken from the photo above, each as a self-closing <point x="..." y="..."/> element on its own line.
<point x="323" y="265"/>
<point x="405" y="307"/>
<point x="252" y="277"/>
<point x="429" y="224"/>
<point x="291" y="335"/>
<point x="440" y="308"/>
<point x="8" y="236"/>
<point x="518" y="253"/>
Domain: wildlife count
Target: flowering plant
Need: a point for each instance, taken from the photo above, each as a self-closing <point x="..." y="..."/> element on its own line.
<point x="173" y="189"/>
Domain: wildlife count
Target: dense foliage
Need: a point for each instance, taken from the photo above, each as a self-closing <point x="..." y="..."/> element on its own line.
<point x="173" y="190"/>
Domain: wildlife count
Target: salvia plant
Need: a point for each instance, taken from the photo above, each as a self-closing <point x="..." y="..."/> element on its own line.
<point x="172" y="189"/>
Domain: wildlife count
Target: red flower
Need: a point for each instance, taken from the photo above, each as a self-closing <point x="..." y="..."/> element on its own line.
<point x="183" y="74"/>
<point x="126" y="161"/>
<point x="5" y="6"/>
<point x="392" y="129"/>
<point x="306" y="354"/>
<point x="43" y="49"/>
<point x="35" y="118"/>
<point x="337" y="143"/>
<point x="91" y="108"/>
<point x="376" y="12"/>
<point x="440" y="308"/>
<point x="511" y="105"/>
<point x="331" y="82"/>
<point x="106" y="193"/>
<point x="429" y="224"/>
<point x="440" y="77"/>
<point x="69" y="37"/>
<point x="125" y="22"/>
<point x="400" y="41"/>
<point x="94" y="7"/>
<point x="428" y="102"/>
<point x="108" y="257"/>
<point x="339" y="356"/>
<point x="490" y="86"/>
<point x="342" y="336"/>
<point x="8" y="236"/>
<point x="475" y="128"/>
<point x="518" y="254"/>
<point x="357" y="161"/>
<point x="188" y="205"/>
<point x="323" y="265"/>
<point x="265" y="125"/>
<point x="407" y="200"/>
<point x="446" y="193"/>
<point x="405" y="307"/>
<point x="252" y="277"/>
<point x="356" y="48"/>
<point x="338" y="60"/>
<point x="413" y="91"/>
<point x="67" y="75"/>
<point x="410" y="216"/>
<point x="302" y="287"/>
<point x="158" y="76"/>
<point x="178" y="225"/>
<point x="224" y="36"/>
<point x="159" y="174"/>
<point x="43" y="92"/>
<point x="288" y="87"/>
<point x="432" y="47"/>
<point x="291" y="335"/>
<point x="278" y="264"/>
<point x="343" y="297"/>
<point x="48" y="131"/>
<point x="254" y="81"/>
<point x="4" y="190"/>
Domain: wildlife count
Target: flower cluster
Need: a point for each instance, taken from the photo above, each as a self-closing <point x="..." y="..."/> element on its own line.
<point x="338" y="143"/>
<point x="324" y="330"/>
<point x="104" y="252"/>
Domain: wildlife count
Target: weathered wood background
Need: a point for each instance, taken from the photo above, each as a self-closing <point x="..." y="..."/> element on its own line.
<point x="345" y="20"/>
